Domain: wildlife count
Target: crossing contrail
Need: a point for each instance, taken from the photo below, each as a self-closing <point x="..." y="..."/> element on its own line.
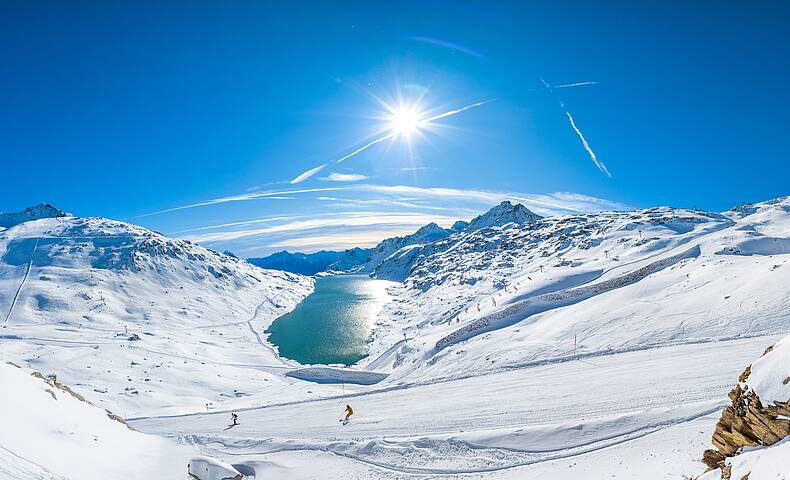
<point x="577" y="84"/>
<point x="601" y="166"/>
<point x="422" y="123"/>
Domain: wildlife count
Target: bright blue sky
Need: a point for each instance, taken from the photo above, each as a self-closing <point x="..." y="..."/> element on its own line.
<point x="120" y="110"/>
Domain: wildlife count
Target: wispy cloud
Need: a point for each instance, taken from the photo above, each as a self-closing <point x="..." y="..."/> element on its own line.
<point x="364" y="214"/>
<point x="341" y="240"/>
<point x="307" y="174"/>
<point x="345" y="177"/>
<point x="239" y="198"/>
<point x="357" y="219"/>
<point x="547" y="204"/>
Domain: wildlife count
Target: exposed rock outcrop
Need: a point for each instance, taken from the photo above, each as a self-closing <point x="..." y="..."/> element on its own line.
<point x="746" y="422"/>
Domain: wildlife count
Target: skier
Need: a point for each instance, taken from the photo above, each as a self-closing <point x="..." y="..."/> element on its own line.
<point x="235" y="418"/>
<point x="349" y="412"/>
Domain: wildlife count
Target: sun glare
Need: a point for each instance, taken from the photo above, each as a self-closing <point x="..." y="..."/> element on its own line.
<point x="404" y="121"/>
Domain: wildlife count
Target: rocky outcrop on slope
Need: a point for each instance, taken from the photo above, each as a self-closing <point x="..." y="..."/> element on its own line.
<point x="751" y="421"/>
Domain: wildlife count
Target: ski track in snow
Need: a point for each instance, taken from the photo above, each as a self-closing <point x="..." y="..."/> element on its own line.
<point x="22" y="283"/>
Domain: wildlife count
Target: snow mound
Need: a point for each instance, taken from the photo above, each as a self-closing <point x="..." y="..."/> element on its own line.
<point x="207" y="468"/>
<point x="49" y="432"/>
<point x="769" y="377"/>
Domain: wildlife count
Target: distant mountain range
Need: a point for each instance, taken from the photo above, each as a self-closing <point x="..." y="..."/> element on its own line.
<point x="393" y="257"/>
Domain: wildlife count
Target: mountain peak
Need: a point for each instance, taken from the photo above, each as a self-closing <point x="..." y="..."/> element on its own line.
<point x="36" y="212"/>
<point x="502" y="214"/>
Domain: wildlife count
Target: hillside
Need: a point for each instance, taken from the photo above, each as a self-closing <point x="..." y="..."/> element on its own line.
<point x="612" y="281"/>
<point x="134" y="320"/>
<point x="51" y="433"/>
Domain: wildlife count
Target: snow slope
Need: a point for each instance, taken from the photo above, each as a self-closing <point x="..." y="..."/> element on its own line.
<point x="503" y="424"/>
<point x="587" y="285"/>
<point x="51" y="433"/>
<point x="136" y="321"/>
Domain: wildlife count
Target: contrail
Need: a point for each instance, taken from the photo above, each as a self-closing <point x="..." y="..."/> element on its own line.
<point x="577" y="84"/>
<point x="598" y="164"/>
<point x="424" y="122"/>
<point x="456" y="111"/>
<point x="601" y="166"/>
<point x="443" y="43"/>
<point x="239" y="198"/>
<point x="304" y="176"/>
<point x="364" y="147"/>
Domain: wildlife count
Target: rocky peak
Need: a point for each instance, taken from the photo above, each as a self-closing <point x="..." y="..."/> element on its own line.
<point x="503" y="214"/>
<point x="42" y="210"/>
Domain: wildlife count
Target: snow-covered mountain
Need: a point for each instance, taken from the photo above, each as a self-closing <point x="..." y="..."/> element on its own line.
<point x="297" y="262"/>
<point x="42" y="210"/>
<point x="354" y="260"/>
<point x="600" y="345"/>
<point x="393" y="257"/>
<point x="502" y="214"/>
<point x="609" y="281"/>
<point x="135" y="320"/>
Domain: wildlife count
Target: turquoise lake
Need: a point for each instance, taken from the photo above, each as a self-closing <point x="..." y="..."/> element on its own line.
<point x="333" y="324"/>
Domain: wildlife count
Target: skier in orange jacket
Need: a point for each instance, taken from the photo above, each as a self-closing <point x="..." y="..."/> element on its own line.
<point x="349" y="412"/>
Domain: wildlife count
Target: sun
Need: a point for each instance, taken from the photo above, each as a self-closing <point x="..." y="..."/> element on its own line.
<point x="404" y="120"/>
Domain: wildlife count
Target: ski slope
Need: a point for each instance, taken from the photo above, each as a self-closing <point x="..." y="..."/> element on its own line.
<point x="501" y="422"/>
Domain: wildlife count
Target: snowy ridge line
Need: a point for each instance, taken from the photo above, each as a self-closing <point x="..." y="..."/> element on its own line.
<point x="22" y="283"/>
<point x="549" y="301"/>
<point x="335" y="448"/>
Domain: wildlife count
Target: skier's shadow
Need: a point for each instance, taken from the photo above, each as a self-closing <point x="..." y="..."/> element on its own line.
<point x="229" y="427"/>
